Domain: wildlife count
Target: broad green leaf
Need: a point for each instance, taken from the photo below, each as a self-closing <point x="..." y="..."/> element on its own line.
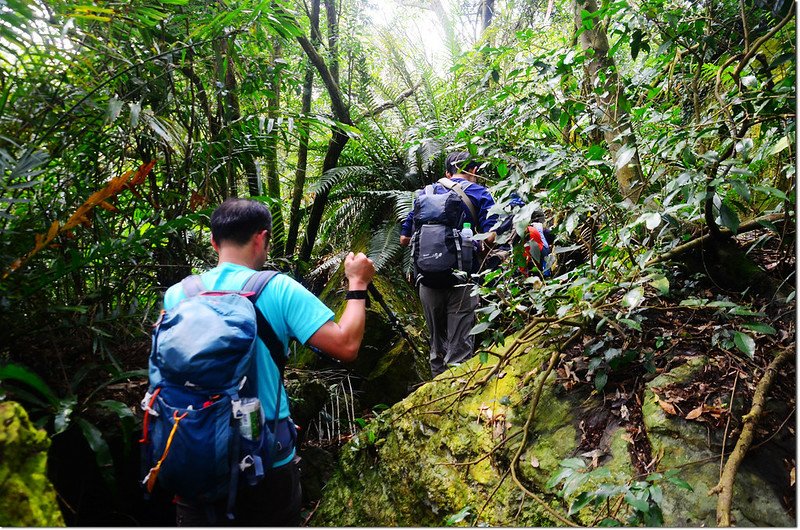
<point x="624" y="155"/>
<point x="136" y="109"/>
<point x="721" y="303"/>
<point x="633" y="298"/>
<point x="728" y="217"/>
<point x="652" y="220"/>
<point x="769" y="190"/>
<point x="574" y="482"/>
<point x="480" y="327"/>
<point x="758" y="327"/>
<point x="15" y="372"/>
<point x="102" y="453"/>
<point x="580" y="501"/>
<point x="631" y="324"/>
<point x="126" y="418"/>
<point x="573" y="463"/>
<point x="113" y="110"/>
<point x="780" y="145"/>
<point x="63" y="414"/>
<point x="742" y="188"/>
<point x="571" y="223"/>
<point x="742" y="312"/>
<point x="745" y="343"/>
<point x="680" y="483"/>
<point x="656" y="493"/>
<point x="502" y="169"/>
<point x="558" y="476"/>
<point x="460" y="516"/>
<point x="693" y="302"/>
<point x="661" y="283"/>
<point x="600" y="380"/>
<point x="638" y="504"/>
<point x="750" y="81"/>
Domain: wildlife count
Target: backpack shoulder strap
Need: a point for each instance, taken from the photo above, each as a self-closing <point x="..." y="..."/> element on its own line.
<point x="192" y="285"/>
<point x="456" y="187"/>
<point x="256" y="284"/>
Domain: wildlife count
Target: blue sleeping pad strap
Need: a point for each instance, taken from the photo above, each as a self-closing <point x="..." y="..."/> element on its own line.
<point x="256" y="284"/>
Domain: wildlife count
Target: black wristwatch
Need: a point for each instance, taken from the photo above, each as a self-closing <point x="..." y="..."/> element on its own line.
<point x="356" y="295"/>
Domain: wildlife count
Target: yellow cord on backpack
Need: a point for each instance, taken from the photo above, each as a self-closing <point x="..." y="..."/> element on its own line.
<point x="151" y="477"/>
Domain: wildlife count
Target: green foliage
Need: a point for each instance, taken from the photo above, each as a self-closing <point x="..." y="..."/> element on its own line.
<point x="584" y="486"/>
<point x="58" y="413"/>
<point x="89" y="92"/>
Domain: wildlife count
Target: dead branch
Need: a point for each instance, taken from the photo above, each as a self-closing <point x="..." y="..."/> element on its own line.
<point x="725" y="486"/>
<point x="390" y="104"/>
<point x="746" y="227"/>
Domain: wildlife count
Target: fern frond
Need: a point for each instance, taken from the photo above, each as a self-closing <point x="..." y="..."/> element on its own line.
<point x="385" y="244"/>
<point x="336" y="175"/>
<point x="403" y="204"/>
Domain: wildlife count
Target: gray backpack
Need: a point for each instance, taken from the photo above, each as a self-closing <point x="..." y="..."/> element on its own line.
<point x="437" y="245"/>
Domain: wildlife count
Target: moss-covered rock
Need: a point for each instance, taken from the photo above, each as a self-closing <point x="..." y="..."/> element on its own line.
<point x="447" y="449"/>
<point x="687" y="445"/>
<point x="26" y="496"/>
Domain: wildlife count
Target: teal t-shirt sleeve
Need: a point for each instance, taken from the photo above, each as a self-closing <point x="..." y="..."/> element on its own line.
<point x="303" y="312"/>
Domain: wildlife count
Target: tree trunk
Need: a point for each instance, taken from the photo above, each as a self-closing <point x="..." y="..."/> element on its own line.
<point x="273" y="177"/>
<point x="228" y="108"/>
<point x="303" y="131"/>
<point x="329" y="75"/>
<point x="335" y="148"/>
<point x="610" y="97"/>
<point x="487" y="12"/>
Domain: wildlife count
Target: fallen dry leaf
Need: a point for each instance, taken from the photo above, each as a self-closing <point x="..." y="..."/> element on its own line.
<point x="696" y="413"/>
<point x="668" y="407"/>
<point x="535" y="462"/>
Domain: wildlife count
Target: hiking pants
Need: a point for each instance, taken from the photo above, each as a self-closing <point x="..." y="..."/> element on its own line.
<point x="275" y="501"/>
<point x="450" y="314"/>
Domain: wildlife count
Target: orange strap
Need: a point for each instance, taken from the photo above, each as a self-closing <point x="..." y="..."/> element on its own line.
<point x="153" y="475"/>
<point x="146" y="422"/>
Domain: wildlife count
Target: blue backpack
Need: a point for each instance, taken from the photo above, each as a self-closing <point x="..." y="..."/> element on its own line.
<point x="203" y="429"/>
<point x="438" y="247"/>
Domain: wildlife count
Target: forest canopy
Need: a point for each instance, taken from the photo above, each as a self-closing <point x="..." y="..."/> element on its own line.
<point x="646" y="131"/>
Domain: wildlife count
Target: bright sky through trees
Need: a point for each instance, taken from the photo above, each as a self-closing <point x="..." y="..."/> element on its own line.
<point x="414" y="23"/>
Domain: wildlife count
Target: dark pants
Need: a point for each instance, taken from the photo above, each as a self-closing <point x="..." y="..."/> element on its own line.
<point x="275" y="501"/>
<point x="450" y="314"/>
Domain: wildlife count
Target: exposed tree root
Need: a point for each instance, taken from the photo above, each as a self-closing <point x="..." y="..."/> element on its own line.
<point x="514" y="461"/>
<point x="725" y="486"/>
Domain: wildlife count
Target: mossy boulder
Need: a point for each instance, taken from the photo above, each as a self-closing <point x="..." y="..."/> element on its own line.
<point x="443" y="456"/>
<point x="27" y="497"/>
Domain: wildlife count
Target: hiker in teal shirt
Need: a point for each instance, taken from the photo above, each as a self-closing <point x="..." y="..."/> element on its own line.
<point x="240" y="231"/>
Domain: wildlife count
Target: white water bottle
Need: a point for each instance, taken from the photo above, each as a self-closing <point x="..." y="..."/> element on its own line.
<point x="467" y="247"/>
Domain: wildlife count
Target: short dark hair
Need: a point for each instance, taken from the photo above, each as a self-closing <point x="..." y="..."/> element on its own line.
<point x="459" y="162"/>
<point x="236" y="220"/>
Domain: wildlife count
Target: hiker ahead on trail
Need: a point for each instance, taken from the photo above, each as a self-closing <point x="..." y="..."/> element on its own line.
<point x="439" y="229"/>
<point x="217" y="431"/>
